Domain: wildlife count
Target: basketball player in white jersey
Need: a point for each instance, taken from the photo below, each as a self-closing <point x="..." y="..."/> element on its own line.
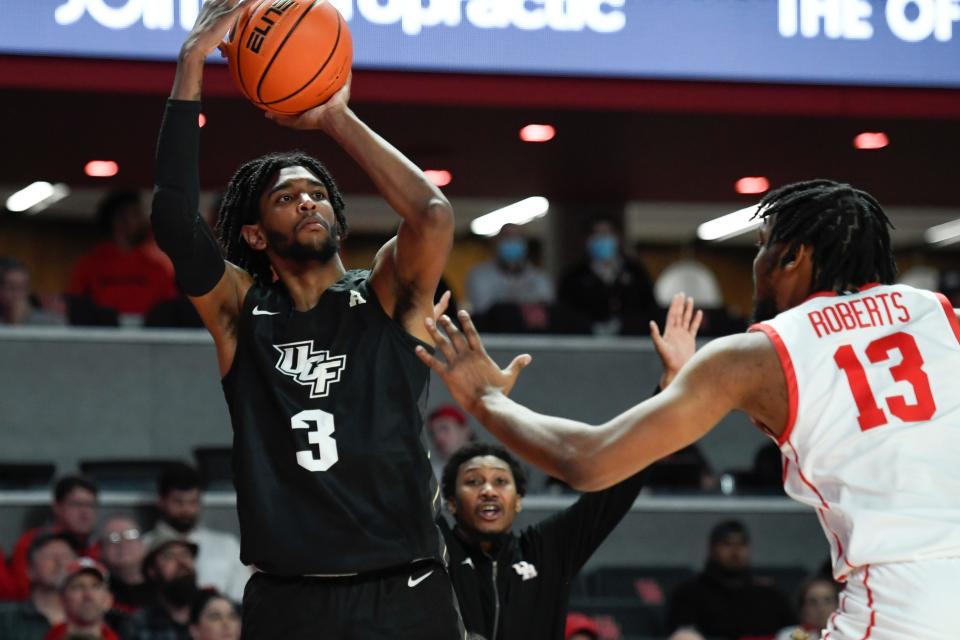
<point x="857" y="380"/>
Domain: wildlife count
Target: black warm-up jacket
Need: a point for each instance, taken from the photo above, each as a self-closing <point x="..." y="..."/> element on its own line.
<point x="520" y="590"/>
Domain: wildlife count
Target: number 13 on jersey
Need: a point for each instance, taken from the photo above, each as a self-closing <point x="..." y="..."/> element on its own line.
<point x="910" y="370"/>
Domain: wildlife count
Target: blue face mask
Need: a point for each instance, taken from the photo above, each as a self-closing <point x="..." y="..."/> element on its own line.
<point x="602" y="248"/>
<point x="512" y="250"/>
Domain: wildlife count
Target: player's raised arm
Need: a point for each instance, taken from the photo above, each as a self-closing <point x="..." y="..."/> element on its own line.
<point x="216" y="289"/>
<point x="737" y="372"/>
<point x="410" y="264"/>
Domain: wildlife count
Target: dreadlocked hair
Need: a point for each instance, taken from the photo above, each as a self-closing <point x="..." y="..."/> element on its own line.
<point x="241" y="206"/>
<point x="846" y="227"/>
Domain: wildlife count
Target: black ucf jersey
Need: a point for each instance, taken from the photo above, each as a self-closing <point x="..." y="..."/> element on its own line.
<point x="331" y="472"/>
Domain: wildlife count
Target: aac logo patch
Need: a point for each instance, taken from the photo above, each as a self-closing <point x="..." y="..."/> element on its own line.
<point x="315" y="369"/>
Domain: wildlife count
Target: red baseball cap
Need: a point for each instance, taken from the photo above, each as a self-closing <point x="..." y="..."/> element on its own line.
<point x="448" y="411"/>
<point x="580" y="623"/>
<point x="84" y="565"/>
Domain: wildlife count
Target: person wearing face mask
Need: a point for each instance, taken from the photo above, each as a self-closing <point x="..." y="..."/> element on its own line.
<point x="612" y="292"/>
<point x="510" y="279"/>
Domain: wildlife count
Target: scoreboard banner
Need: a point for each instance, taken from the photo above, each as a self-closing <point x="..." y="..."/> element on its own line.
<point x="846" y="42"/>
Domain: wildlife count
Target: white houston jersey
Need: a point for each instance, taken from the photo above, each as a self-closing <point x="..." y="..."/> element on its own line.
<point x="873" y="435"/>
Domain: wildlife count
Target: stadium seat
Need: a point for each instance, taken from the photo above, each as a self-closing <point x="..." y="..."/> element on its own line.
<point x="125" y="474"/>
<point x="578" y="587"/>
<point x="646" y="585"/>
<point x="216" y="467"/>
<point x="786" y="579"/>
<point x="26" y="476"/>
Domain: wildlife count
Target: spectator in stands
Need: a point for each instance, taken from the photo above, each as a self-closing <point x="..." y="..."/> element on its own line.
<point x="48" y="556"/>
<point x="124" y="276"/>
<point x="581" y="627"/>
<point x="179" y="503"/>
<point x="816" y="603"/>
<point x="510" y="279"/>
<point x="170" y="566"/>
<point x="613" y="292"/>
<point x="86" y="601"/>
<point x="949" y="285"/>
<point x="686" y="633"/>
<point x="214" y="617"/>
<point x="449" y="430"/>
<point x="724" y="600"/>
<point x="683" y="471"/>
<point x="16" y="305"/>
<point x="122" y="550"/>
<point x="74" y="515"/>
<point x="515" y="585"/>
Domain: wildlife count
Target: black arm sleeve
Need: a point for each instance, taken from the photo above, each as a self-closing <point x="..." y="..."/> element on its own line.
<point x="572" y="535"/>
<point x="177" y="226"/>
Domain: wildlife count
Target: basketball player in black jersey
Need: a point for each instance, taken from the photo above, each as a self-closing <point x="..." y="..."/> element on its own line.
<point x="335" y="494"/>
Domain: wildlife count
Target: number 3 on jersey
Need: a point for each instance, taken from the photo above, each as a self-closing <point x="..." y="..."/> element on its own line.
<point x="909" y="370"/>
<point x="319" y="425"/>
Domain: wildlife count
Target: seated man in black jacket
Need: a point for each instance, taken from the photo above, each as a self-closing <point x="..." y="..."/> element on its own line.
<point x="725" y="600"/>
<point x="515" y="585"/>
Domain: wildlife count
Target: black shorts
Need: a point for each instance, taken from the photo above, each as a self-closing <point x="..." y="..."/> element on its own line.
<point x="415" y="603"/>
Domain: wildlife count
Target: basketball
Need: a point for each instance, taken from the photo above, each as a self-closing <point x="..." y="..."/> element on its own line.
<point x="288" y="56"/>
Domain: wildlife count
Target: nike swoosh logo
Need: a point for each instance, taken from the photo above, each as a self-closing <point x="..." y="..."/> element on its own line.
<point x="412" y="583"/>
<point x="257" y="311"/>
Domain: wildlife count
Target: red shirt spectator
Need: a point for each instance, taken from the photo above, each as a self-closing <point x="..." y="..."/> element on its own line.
<point x="131" y="281"/>
<point x="74" y="514"/>
<point x="128" y="274"/>
<point x="86" y="600"/>
<point x="62" y="631"/>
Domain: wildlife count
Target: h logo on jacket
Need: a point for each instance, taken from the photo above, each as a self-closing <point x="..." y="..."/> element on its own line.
<point x="525" y="570"/>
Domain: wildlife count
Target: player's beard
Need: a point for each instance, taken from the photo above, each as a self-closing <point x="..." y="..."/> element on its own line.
<point x="764" y="310"/>
<point x="297" y="252"/>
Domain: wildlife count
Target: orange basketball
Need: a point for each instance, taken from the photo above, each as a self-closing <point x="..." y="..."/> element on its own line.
<point x="287" y="56"/>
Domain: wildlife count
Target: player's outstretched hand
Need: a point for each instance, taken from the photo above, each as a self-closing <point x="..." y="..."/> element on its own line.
<point x="678" y="342"/>
<point x="468" y="372"/>
<point x="212" y="24"/>
<point x="319" y="117"/>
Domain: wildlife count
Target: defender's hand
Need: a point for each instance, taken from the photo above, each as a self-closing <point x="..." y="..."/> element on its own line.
<point x="441" y="307"/>
<point x="319" y="117"/>
<point x="213" y="23"/>
<point x="679" y="340"/>
<point x="468" y="372"/>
